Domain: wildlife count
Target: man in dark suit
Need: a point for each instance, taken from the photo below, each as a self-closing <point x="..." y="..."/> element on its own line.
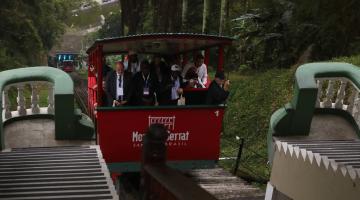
<point x="143" y="86"/>
<point x="218" y="90"/>
<point x="118" y="86"/>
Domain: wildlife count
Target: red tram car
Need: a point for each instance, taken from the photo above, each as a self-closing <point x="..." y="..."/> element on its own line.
<point x="194" y="140"/>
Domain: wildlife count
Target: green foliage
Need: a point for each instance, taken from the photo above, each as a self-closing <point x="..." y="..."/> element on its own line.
<point x="355" y="59"/>
<point x="252" y="100"/>
<point x="276" y="33"/>
<point x="333" y="22"/>
<point x="112" y="26"/>
<point x="260" y="40"/>
<point x="29" y="29"/>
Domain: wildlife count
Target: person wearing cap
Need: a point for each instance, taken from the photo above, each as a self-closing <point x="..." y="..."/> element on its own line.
<point x="118" y="86"/>
<point x="133" y="64"/>
<point x="171" y="89"/>
<point x="218" y="90"/>
<point x="143" y="86"/>
<point x="200" y="68"/>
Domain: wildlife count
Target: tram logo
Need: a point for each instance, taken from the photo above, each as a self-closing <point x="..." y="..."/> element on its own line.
<point x="168" y="122"/>
<point x="175" y="138"/>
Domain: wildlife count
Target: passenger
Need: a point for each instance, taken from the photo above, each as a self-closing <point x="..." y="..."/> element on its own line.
<point x="133" y="64"/>
<point x="158" y="68"/>
<point x="218" y="90"/>
<point x="106" y="69"/>
<point x="143" y="86"/>
<point x="191" y="79"/>
<point x="200" y="68"/>
<point x="172" y="87"/>
<point x="118" y="86"/>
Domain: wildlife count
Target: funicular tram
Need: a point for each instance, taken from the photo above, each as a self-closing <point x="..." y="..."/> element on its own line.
<point x="194" y="139"/>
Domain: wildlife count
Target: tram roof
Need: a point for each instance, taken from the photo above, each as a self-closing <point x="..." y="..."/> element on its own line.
<point x="160" y="43"/>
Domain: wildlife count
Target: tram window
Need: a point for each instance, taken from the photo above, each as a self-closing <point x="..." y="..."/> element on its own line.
<point x="162" y="76"/>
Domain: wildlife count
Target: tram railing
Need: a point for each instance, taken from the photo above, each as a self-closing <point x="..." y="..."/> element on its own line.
<point x="23" y="99"/>
<point x="159" y="181"/>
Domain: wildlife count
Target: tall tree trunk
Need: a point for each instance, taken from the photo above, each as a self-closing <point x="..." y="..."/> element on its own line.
<point x="174" y="15"/>
<point x="184" y="14"/>
<point x="133" y="17"/>
<point x="206" y="14"/>
<point x="133" y="14"/>
<point x="156" y="10"/>
<point x="122" y="22"/>
<point x="223" y="15"/>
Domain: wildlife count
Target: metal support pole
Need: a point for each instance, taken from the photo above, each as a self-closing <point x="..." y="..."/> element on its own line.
<point x="237" y="163"/>
<point x="207" y="57"/>
<point x="100" y="75"/>
<point x="221" y="59"/>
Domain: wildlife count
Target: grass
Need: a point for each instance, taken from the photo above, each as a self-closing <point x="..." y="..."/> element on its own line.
<point x="355" y="60"/>
<point x="83" y="73"/>
<point x="253" y="98"/>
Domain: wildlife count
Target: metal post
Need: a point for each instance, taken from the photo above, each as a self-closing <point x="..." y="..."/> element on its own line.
<point x="100" y="75"/>
<point x="207" y="57"/>
<point x="238" y="156"/>
<point x="221" y="59"/>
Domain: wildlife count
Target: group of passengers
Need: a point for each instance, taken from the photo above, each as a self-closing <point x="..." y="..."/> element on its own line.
<point x="157" y="83"/>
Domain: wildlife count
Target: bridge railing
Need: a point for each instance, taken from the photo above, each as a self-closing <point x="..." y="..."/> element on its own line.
<point x="160" y="182"/>
<point x="339" y="93"/>
<point x="331" y="88"/>
<point x="26" y="99"/>
<point x="69" y="122"/>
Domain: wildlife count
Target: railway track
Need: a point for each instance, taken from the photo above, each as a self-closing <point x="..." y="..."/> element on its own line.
<point x="80" y="92"/>
<point x="225" y="186"/>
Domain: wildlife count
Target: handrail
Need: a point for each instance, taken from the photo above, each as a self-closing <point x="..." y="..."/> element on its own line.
<point x="294" y="119"/>
<point x="69" y="122"/>
<point x="340" y="93"/>
<point x="158" y="107"/>
<point x="35" y="108"/>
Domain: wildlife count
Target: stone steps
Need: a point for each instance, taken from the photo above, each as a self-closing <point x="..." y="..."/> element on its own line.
<point x="225" y="186"/>
<point x="55" y="173"/>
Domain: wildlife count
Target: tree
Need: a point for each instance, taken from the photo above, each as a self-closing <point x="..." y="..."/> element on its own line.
<point x="132" y="15"/>
<point x="223" y="16"/>
<point x="206" y="15"/>
<point x="29" y="29"/>
<point x="166" y="15"/>
<point x="184" y="15"/>
<point x="112" y="27"/>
